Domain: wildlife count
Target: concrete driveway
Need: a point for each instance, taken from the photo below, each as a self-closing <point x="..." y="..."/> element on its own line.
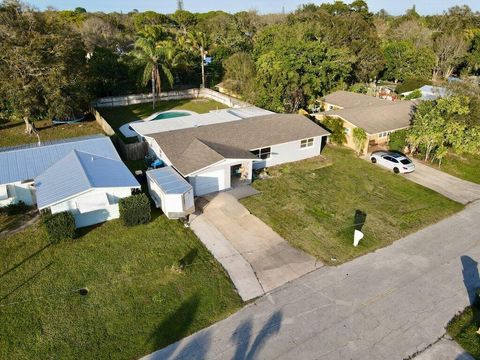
<point x="454" y="188"/>
<point x="389" y="304"/>
<point x="237" y="238"/>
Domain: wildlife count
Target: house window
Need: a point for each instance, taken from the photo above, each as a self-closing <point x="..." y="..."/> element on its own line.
<point x="263" y="153"/>
<point x="346" y="131"/>
<point x="384" y="134"/>
<point x="306" y="143"/>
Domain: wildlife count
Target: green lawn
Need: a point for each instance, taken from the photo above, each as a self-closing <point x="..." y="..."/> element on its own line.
<point x="149" y="286"/>
<point x="312" y="205"/>
<point x="465" y="166"/>
<point x="463" y="328"/>
<point x="118" y="116"/>
<point x="13" y="133"/>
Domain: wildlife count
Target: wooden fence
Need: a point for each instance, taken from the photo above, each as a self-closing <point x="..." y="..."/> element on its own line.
<point x="133" y="151"/>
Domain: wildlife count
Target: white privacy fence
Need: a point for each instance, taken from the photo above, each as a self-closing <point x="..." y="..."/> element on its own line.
<point x="126" y="100"/>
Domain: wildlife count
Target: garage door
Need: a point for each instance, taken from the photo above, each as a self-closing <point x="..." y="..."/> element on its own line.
<point x="208" y="182"/>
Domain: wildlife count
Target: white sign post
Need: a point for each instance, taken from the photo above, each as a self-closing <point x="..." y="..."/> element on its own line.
<point x="357" y="236"/>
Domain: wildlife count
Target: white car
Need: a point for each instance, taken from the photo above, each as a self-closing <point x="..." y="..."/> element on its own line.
<point x="396" y="162"/>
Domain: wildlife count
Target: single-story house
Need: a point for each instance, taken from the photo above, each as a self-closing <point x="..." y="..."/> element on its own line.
<point x="429" y="92"/>
<point x="217" y="156"/>
<point x="171" y="192"/>
<point x="379" y="118"/>
<point x="82" y="175"/>
<point x="345" y="99"/>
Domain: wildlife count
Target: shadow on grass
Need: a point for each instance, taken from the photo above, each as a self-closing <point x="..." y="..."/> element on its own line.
<point x="177" y="325"/>
<point x="188" y="259"/>
<point x="11" y="125"/>
<point x="23" y="283"/>
<point x="243" y="337"/>
<point x="25" y="260"/>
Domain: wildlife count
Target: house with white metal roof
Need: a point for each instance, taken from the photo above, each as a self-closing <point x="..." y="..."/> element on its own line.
<point x="82" y="175"/>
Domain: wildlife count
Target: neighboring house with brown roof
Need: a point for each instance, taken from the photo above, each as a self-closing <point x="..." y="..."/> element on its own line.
<point x="378" y="117"/>
<point x="214" y="157"/>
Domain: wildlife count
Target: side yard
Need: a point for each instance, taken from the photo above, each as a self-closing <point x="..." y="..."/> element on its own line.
<point x="13" y="133"/>
<point x="466" y="167"/>
<point x="317" y="213"/>
<point x="149" y="286"/>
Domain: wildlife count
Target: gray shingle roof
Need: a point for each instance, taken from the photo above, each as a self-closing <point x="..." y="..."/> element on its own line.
<point x="347" y="99"/>
<point x="28" y="161"/>
<point x="78" y="172"/>
<point x="170" y="181"/>
<point x="376" y="119"/>
<point x="193" y="149"/>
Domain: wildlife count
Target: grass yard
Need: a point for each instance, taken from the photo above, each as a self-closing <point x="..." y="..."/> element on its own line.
<point x="463" y="328"/>
<point x="118" y="116"/>
<point x="149" y="286"/>
<point x="13" y="133"/>
<point x="312" y="205"/>
<point x="465" y="166"/>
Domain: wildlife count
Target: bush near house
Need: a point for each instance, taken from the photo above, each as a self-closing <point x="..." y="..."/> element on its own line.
<point x="359" y="139"/>
<point x="135" y="210"/>
<point x="412" y="84"/>
<point x="15" y="209"/>
<point x="60" y="226"/>
<point x="415" y="94"/>
<point x="335" y="126"/>
<point x="398" y="140"/>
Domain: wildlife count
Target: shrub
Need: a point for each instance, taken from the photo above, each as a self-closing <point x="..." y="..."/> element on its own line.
<point x="335" y="126"/>
<point x="359" y="139"/>
<point x="135" y="210"/>
<point x="411" y="84"/>
<point x="15" y="209"/>
<point x="60" y="226"/>
<point x="398" y="140"/>
<point x="415" y="94"/>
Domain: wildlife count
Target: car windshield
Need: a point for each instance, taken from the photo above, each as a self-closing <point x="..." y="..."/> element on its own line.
<point x="405" y="161"/>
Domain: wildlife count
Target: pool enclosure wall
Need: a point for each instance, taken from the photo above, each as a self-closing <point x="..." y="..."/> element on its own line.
<point x="170" y="192"/>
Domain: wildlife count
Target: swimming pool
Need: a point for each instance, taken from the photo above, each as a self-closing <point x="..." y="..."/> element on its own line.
<point x="170" y="115"/>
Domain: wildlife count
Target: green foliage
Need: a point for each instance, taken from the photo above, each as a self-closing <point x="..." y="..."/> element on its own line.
<point x="335" y="126"/>
<point x="15" y="209"/>
<point x="398" y="140"/>
<point x="411" y="84"/>
<point x="293" y="73"/>
<point x="240" y="75"/>
<point x="359" y="139"/>
<point x="135" y="210"/>
<point x="415" y="94"/>
<point x="404" y="60"/>
<point x="463" y="328"/>
<point x="51" y="80"/>
<point x="59" y="226"/>
<point x="440" y="125"/>
<point x="360" y="88"/>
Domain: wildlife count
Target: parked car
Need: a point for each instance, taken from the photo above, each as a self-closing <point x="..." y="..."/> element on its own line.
<point x="396" y="162"/>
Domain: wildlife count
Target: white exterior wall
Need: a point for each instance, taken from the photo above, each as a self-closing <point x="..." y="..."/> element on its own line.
<point x="288" y="152"/>
<point x="217" y="177"/>
<point x="20" y="192"/>
<point x="94" y="217"/>
<point x="172" y="205"/>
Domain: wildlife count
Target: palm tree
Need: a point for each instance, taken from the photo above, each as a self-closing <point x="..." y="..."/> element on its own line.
<point x="199" y="42"/>
<point x="156" y="51"/>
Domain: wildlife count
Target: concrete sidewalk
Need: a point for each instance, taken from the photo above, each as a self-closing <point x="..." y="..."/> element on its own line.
<point x="390" y="304"/>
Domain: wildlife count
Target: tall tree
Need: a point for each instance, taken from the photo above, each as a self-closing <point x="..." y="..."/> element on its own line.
<point x="154" y="50"/>
<point x="450" y="50"/>
<point x="199" y="42"/>
<point x="42" y="66"/>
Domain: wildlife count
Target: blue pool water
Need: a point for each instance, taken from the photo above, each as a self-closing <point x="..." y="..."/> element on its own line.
<point x="170" y="115"/>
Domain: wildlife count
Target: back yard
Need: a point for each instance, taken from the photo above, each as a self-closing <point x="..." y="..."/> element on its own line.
<point x="312" y="205"/>
<point x="13" y="133"/>
<point x="148" y="286"/>
<point x="118" y="116"/>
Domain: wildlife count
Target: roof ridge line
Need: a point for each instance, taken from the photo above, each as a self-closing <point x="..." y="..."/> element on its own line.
<point x="75" y="151"/>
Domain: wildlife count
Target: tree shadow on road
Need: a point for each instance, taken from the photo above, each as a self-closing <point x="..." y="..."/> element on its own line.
<point x="243" y="336"/>
<point x="471" y="277"/>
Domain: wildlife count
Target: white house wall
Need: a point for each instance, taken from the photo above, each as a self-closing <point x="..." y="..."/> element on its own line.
<point x="288" y="152"/>
<point x="94" y="217"/>
<point x="20" y="192"/>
